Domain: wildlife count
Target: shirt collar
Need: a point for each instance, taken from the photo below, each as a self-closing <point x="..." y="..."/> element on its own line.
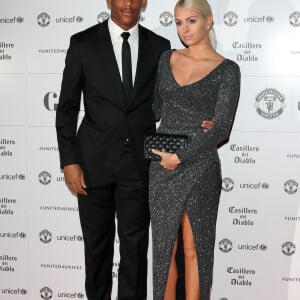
<point x="116" y="31"/>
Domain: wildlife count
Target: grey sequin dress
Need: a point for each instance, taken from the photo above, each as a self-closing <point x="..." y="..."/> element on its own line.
<point x="194" y="187"/>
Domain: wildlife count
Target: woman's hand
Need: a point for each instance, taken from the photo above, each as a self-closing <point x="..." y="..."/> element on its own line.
<point x="168" y="161"/>
<point x="208" y="124"/>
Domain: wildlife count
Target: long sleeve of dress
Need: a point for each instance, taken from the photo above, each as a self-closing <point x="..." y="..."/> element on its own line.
<point x="157" y="100"/>
<point x="227" y="98"/>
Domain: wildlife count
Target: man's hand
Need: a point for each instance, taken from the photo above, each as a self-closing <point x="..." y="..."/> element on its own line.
<point x="74" y="179"/>
<point x="208" y="125"/>
<point x="168" y="161"/>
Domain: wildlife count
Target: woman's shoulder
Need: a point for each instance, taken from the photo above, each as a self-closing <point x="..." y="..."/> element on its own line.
<point x="231" y="65"/>
<point x="166" y="54"/>
<point x="165" y="58"/>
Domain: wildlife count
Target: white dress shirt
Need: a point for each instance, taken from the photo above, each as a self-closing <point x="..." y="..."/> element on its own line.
<point x="117" y="41"/>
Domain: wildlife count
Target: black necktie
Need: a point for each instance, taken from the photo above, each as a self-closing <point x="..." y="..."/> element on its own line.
<point x="126" y="66"/>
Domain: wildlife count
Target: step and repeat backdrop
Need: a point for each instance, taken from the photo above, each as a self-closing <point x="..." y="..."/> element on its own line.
<point x="257" y="253"/>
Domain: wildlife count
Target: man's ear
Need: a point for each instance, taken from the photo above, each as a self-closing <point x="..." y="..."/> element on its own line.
<point x="108" y="2"/>
<point x="144" y="4"/>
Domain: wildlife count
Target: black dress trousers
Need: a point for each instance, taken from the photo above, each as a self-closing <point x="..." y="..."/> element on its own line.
<point x="124" y="195"/>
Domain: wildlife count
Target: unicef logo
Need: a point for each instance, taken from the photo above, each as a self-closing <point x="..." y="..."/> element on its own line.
<point x="263" y="247"/>
<point x="20" y="19"/>
<point x="102" y="16"/>
<point x="291" y="186"/>
<point x="166" y="18"/>
<point x="79" y="19"/>
<point x="288" y="248"/>
<point x="265" y="186"/>
<point x="22" y="235"/>
<point x="225" y="245"/>
<point x="43" y="19"/>
<point x="79" y="238"/>
<point x="269" y="103"/>
<point x="23" y="292"/>
<point x="294" y="19"/>
<point x="21" y="176"/>
<point x="80" y="295"/>
<point x="227" y="184"/>
<point x="270" y="19"/>
<point x="230" y="18"/>
<point x="45" y="177"/>
<point x="45" y="236"/>
<point x="46" y="293"/>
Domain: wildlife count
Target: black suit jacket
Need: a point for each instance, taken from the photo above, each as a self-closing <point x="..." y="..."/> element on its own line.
<point x="91" y="69"/>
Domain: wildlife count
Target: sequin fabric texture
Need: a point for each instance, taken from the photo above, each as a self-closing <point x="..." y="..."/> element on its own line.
<point x="194" y="187"/>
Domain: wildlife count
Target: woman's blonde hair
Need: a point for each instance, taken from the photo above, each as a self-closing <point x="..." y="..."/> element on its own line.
<point x="204" y="9"/>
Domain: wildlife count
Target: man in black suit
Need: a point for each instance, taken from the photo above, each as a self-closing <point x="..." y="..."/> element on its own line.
<point x="103" y="162"/>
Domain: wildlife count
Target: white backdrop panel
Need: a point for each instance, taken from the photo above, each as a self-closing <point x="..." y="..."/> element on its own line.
<point x="257" y="247"/>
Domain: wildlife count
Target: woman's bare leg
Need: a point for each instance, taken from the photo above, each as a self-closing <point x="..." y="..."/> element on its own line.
<point x="170" y="292"/>
<point x="192" y="283"/>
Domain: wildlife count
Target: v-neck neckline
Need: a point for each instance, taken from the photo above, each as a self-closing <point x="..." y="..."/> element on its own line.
<point x="197" y="81"/>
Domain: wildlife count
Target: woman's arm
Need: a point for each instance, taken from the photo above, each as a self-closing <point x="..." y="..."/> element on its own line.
<point x="226" y="103"/>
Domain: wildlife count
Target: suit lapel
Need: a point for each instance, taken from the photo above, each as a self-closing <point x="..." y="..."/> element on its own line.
<point x="110" y="66"/>
<point x="141" y="62"/>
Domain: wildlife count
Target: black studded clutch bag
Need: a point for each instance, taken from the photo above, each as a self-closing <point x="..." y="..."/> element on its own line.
<point x="163" y="142"/>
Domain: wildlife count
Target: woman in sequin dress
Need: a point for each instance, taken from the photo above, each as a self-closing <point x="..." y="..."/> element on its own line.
<point x="195" y="83"/>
